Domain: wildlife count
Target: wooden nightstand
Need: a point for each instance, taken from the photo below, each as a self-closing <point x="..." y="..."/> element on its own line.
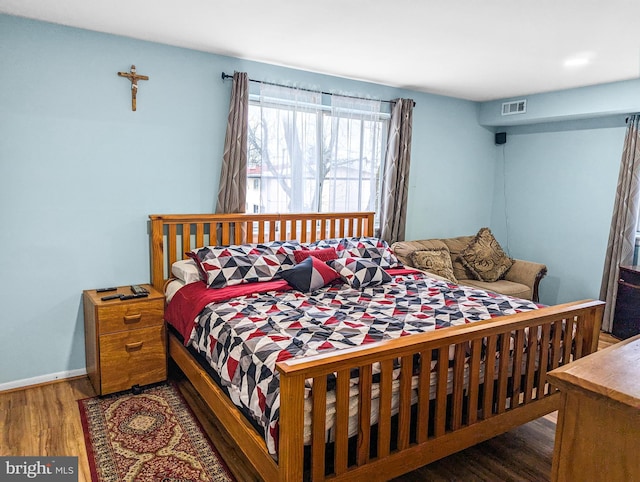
<point x="125" y="340"/>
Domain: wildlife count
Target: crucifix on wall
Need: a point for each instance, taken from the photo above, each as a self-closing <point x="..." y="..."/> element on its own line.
<point x="134" y="78"/>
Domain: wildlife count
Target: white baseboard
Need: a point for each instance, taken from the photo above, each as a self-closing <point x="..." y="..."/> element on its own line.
<point x="42" y="379"/>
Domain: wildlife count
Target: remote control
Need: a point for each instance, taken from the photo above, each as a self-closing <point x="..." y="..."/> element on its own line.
<point x="130" y="297"/>
<point x="111" y="297"/>
<point x="103" y="290"/>
<point x="137" y="289"/>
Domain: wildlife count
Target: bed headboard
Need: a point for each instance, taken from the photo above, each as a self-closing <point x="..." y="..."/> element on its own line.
<point x="174" y="234"/>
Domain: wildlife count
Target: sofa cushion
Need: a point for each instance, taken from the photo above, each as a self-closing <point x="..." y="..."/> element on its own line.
<point x="436" y="261"/>
<point x="485" y="258"/>
<point x="509" y="288"/>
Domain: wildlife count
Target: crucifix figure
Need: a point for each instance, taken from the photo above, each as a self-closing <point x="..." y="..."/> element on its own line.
<point x="134" y="78"/>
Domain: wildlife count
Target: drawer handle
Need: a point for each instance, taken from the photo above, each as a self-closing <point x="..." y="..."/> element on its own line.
<point x="134" y="346"/>
<point x="132" y="318"/>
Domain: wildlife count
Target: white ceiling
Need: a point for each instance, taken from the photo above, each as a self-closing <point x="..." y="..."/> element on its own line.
<point x="472" y="49"/>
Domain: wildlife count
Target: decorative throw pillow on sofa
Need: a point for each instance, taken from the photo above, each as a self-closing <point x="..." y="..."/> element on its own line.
<point x="485" y="258"/>
<point x="436" y="261"/>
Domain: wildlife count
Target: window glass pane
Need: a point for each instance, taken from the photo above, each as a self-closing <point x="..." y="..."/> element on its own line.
<point x="305" y="157"/>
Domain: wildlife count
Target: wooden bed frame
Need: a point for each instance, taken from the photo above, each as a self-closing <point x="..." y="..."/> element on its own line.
<point x="462" y="414"/>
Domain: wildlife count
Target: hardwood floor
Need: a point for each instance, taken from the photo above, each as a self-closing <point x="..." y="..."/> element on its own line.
<point x="45" y="420"/>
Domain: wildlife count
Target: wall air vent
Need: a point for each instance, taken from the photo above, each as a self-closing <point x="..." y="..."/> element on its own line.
<point x="515" y="107"/>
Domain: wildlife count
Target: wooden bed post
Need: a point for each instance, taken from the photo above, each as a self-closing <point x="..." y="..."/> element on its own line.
<point x="157" y="253"/>
<point x="291" y="427"/>
<point x="592" y="329"/>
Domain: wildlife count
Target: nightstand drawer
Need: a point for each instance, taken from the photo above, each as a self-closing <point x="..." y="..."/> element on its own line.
<point x="135" y="357"/>
<point x="130" y="315"/>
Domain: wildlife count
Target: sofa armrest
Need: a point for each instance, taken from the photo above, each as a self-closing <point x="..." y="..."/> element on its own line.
<point x="527" y="273"/>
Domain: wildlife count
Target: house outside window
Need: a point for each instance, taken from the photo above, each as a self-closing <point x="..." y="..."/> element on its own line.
<point x="305" y="156"/>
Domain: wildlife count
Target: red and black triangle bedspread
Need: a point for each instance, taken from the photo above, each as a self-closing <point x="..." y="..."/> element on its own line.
<point x="244" y="330"/>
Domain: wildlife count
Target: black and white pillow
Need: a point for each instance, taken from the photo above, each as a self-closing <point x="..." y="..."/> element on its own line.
<point x="359" y="272"/>
<point x="245" y="263"/>
<point x="374" y="249"/>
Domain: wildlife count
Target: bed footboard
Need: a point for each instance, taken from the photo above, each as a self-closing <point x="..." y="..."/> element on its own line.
<point x="474" y="398"/>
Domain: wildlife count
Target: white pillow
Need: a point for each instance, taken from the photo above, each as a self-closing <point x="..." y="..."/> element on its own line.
<point x="186" y="270"/>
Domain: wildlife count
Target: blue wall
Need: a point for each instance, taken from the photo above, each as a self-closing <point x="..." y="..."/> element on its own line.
<point x="555" y="187"/>
<point x="556" y="178"/>
<point x="80" y="171"/>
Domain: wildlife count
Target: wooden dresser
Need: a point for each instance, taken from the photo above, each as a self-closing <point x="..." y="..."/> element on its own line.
<point x="626" y="316"/>
<point x="125" y="340"/>
<point x="598" y="432"/>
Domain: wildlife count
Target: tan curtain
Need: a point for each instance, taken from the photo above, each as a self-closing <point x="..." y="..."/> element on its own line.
<point x="395" y="180"/>
<point x="232" y="192"/>
<point x="623" y="223"/>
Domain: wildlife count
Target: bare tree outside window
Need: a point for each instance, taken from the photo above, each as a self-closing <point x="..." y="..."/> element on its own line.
<point x="308" y="157"/>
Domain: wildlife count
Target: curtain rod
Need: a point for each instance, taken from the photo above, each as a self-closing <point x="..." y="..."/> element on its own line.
<point x="227" y="76"/>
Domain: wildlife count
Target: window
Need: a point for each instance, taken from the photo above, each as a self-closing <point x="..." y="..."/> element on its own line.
<point x="304" y="156"/>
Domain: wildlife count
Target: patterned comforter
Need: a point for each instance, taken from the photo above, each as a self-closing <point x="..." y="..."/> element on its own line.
<point x="243" y="337"/>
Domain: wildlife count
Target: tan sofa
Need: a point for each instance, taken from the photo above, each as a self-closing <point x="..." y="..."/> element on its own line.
<point x="520" y="281"/>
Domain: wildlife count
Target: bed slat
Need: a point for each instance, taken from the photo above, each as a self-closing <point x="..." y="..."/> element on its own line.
<point x="503" y="371"/>
<point x="384" y="423"/>
<point x="424" y="387"/>
<point x="318" y="427"/>
<point x="440" y="416"/>
<point x="532" y="345"/>
<point x="489" y="372"/>
<point x="474" y="379"/>
<point x="404" y="414"/>
<point x="458" y="385"/>
<point x="364" y="414"/>
<point x="172" y="241"/>
<point x="186" y="237"/>
<point x="542" y="362"/>
<point x="556" y="349"/>
<point x="199" y="235"/>
<point x="578" y="344"/>
<point x="342" y="421"/>
<point x="517" y="367"/>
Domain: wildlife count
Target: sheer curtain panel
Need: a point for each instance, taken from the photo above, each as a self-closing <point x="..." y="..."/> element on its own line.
<point x="353" y="142"/>
<point x="284" y="152"/>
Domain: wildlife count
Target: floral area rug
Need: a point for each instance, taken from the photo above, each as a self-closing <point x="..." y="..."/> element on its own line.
<point x="152" y="436"/>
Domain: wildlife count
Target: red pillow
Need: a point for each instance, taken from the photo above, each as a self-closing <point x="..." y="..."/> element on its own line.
<point x="326" y="254"/>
